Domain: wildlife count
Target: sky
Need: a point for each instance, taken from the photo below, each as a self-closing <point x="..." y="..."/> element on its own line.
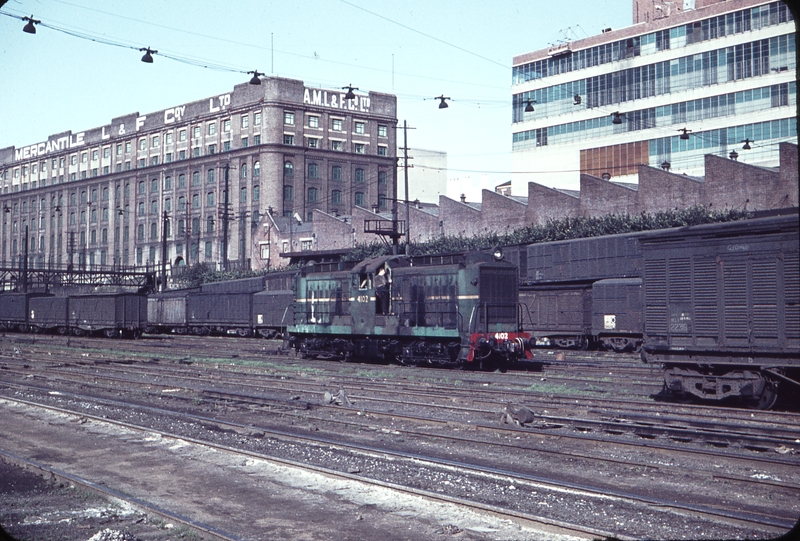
<point x="52" y="82"/>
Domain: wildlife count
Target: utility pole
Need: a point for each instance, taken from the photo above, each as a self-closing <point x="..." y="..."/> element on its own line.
<point x="225" y="221"/>
<point x="405" y="177"/>
<point x="164" y="252"/>
<point x="25" y="264"/>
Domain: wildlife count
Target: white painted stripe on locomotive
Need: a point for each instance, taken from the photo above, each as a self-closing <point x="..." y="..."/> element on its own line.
<point x="433" y="298"/>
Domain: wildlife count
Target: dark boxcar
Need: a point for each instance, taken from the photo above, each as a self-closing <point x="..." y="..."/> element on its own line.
<point x="272" y="312"/>
<point x="244" y="285"/>
<point x="49" y="314"/>
<point x="558" y="315"/>
<point x="617" y="313"/>
<point x="280" y="281"/>
<point x="723" y="308"/>
<point x="597" y="258"/>
<point x="111" y="314"/>
<point x="14" y="310"/>
<point x="166" y="312"/>
<point x="224" y="313"/>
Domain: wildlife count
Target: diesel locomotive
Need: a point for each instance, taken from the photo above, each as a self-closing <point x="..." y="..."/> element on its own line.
<point x="435" y="310"/>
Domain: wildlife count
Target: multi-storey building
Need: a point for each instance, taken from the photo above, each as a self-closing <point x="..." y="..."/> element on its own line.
<point x="111" y="195"/>
<point x="689" y="79"/>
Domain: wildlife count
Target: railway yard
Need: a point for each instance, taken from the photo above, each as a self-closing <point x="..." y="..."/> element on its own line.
<point x="171" y="437"/>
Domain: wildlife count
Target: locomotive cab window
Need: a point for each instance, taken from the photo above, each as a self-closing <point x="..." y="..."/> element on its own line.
<point x="365" y="280"/>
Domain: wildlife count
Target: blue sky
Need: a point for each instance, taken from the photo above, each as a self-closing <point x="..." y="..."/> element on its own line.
<point x="417" y="49"/>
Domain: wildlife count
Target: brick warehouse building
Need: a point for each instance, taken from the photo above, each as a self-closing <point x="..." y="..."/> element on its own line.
<point x="98" y="197"/>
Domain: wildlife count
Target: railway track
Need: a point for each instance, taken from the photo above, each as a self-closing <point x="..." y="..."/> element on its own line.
<point x="385" y="418"/>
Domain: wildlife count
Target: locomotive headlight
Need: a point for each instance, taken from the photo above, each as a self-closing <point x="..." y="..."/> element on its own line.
<point x="498" y="254"/>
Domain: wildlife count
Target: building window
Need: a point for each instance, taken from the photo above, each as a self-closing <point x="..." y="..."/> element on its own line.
<point x="245" y="142"/>
<point x="359" y="177"/>
<point x="210" y="176"/>
<point x="196" y="132"/>
<point x="313" y="142"/>
<point x="312" y="195"/>
<point x="208" y="249"/>
<point x="382" y="150"/>
<point x="142" y="163"/>
<point x="181" y="203"/>
<point x="336" y="172"/>
<point x="181" y="181"/>
<point x="196" y="178"/>
<point x="337" y="145"/>
<point x="256" y="170"/>
<point x="153" y="231"/>
<point x="360" y="148"/>
<point x="210" y="224"/>
<point x="288" y="139"/>
<point x="181" y="154"/>
<point x="382" y="201"/>
<point x="313" y="170"/>
<point x="226" y="125"/>
<point x="142" y="144"/>
<point x="142" y="188"/>
<point x="336" y="124"/>
<point x="154" y="185"/>
<point x="382" y="178"/>
<point x="313" y="121"/>
<point x="141" y="209"/>
<point x="168" y="204"/>
<point x="257" y="118"/>
<point x="256" y="140"/>
<point x="336" y="197"/>
<point x="196" y="152"/>
<point x="245" y="121"/>
<point x="119" y="149"/>
<point x="153" y="207"/>
<point x="382" y="131"/>
<point x="212" y="149"/>
<point x="140" y="232"/>
<point x="195" y="201"/>
<point x="226" y="146"/>
<point x="243" y="195"/>
<point x="288" y="170"/>
<point x="182" y="135"/>
<point x="358" y="199"/>
<point x="168" y="138"/>
<point x="155" y="142"/>
<point x="210" y="199"/>
<point x="288" y="118"/>
<point x="243" y="171"/>
<point x="359" y="128"/>
<point x="288" y="193"/>
<point x="167" y="184"/>
<point x="256" y="193"/>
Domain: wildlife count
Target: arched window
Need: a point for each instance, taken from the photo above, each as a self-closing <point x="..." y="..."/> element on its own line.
<point x="359" y="175"/>
<point x="210" y="224"/>
<point x="336" y="197"/>
<point x="256" y="170"/>
<point x="210" y="176"/>
<point x="312" y="195"/>
<point x="313" y="170"/>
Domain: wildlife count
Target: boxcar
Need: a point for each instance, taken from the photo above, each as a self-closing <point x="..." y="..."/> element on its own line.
<point x="166" y="311"/>
<point x="219" y="313"/>
<point x="110" y="314"/>
<point x="47" y="314"/>
<point x="617" y="313"/>
<point x="558" y="315"/>
<point x="722" y="308"/>
<point x="14" y="310"/>
<point x="271" y="312"/>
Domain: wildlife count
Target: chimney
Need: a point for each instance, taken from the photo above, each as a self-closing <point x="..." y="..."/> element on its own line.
<point x="463" y="198"/>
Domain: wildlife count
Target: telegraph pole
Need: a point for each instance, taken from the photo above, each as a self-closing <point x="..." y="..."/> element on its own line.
<point x="405" y="176"/>
<point x="225" y="221"/>
<point x="164" y="252"/>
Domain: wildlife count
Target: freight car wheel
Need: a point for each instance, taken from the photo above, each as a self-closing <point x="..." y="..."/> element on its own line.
<point x="110" y="333"/>
<point x="77" y="331"/>
<point x="767" y="399"/>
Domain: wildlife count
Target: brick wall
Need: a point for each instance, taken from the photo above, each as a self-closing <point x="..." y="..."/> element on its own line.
<point x="661" y="190"/>
<point x="600" y="197"/>
<point x="459" y="218"/>
<point x="546" y="204"/>
<point x="736" y="185"/>
<point x="501" y="214"/>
